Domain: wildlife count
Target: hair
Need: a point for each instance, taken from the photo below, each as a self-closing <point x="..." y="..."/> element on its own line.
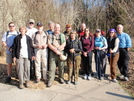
<point x="108" y="36"/>
<point x="23" y="27"/>
<point x="50" y="22"/>
<point x="73" y="32"/>
<point x="11" y="23"/>
<point x="120" y="25"/>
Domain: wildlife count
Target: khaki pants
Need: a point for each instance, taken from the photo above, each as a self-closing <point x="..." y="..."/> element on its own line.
<point x="113" y="65"/>
<point x="75" y="69"/>
<point x="54" y="58"/>
<point x="41" y="57"/>
<point x="23" y="69"/>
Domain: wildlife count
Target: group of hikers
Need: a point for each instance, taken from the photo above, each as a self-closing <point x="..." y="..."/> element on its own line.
<point x="35" y="50"/>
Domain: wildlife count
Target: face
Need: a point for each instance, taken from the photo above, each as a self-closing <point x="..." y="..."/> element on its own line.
<point x="98" y="33"/>
<point x="87" y="32"/>
<point x="12" y="27"/>
<point x="31" y="24"/>
<point x="72" y="35"/>
<point x="119" y="29"/>
<point x="83" y="26"/>
<point x="68" y="29"/>
<point x="111" y="34"/>
<point x="57" y="28"/>
<point x="22" y="31"/>
<point x="40" y="28"/>
<point x="51" y="26"/>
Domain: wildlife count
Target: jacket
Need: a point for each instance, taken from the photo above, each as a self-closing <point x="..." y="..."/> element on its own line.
<point x="17" y="46"/>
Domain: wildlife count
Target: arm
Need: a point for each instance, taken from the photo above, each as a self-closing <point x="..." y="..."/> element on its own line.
<point x="105" y="44"/>
<point x="92" y="45"/>
<point x="128" y="42"/>
<point x="116" y="46"/>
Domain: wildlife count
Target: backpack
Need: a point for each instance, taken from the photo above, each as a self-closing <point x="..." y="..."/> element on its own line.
<point x="8" y="34"/>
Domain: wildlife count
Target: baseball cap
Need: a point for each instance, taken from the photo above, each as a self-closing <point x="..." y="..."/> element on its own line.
<point x="31" y="20"/>
<point x="39" y="24"/>
<point x="68" y="26"/>
<point x="98" y="30"/>
<point x="112" y="30"/>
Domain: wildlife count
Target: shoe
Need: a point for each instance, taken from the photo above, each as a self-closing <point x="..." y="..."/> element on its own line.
<point x="61" y="81"/>
<point x="89" y="77"/>
<point x="126" y="78"/>
<point x="114" y="80"/>
<point x="121" y="76"/>
<point x="85" y="77"/>
<point x="75" y="83"/>
<point x="45" y="81"/>
<point x="27" y="84"/>
<point x="68" y="82"/>
<point x="8" y="80"/>
<point x="37" y="81"/>
<point x="49" y="84"/>
<point x="21" y="86"/>
<point x="101" y="78"/>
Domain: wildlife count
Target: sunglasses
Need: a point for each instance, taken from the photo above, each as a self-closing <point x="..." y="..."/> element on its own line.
<point x="31" y="23"/>
<point x="11" y="26"/>
<point x="111" y="32"/>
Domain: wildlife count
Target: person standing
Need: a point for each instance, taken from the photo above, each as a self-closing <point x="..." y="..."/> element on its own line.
<point x="51" y="27"/>
<point x="74" y="49"/>
<point x="23" y="52"/>
<point x="41" y="52"/>
<point x="124" y="45"/>
<point x="81" y="30"/>
<point x="100" y="45"/>
<point x="56" y="43"/>
<point x="113" y="52"/>
<point x="30" y="31"/>
<point x="87" y="44"/>
<point x="67" y="31"/>
<point x="7" y="41"/>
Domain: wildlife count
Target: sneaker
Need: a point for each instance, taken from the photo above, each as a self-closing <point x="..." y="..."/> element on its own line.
<point x="89" y="77"/>
<point x="85" y="77"/>
<point x="27" y="84"/>
<point x="68" y="82"/>
<point x="8" y="80"/>
<point x="121" y="76"/>
<point x="75" y="83"/>
<point x="126" y="78"/>
<point x="114" y="80"/>
<point x="21" y="86"/>
<point x="61" y="81"/>
<point x="49" y="84"/>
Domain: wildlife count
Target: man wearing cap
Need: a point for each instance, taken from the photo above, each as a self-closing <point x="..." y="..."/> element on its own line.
<point x="68" y="30"/>
<point x="56" y="43"/>
<point x="124" y="45"/>
<point x="31" y="30"/>
<point x="40" y="45"/>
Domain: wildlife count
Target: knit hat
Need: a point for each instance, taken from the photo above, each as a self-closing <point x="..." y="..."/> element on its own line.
<point x="112" y="30"/>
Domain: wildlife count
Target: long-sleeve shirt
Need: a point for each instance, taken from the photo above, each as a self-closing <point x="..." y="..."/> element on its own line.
<point x="125" y="41"/>
<point x="87" y="43"/>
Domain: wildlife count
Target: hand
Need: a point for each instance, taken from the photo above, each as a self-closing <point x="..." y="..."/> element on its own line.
<point x="58" y="52"/>
<point x="72" y="50"/>
<point x="39" y="47"/>
<point x="14" y="59"/>
<point x="85" y="54"/>
<point x="10" y="50"/>
<point x="97" y="48"/>
<point x="33" y="57"/>
<point x="44" y="47"/>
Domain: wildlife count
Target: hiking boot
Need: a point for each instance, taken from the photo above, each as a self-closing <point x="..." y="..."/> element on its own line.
<point x="126" y="78"/>
<point x="114" y="80"/>
<point x="85" y="77"/>
<point x="89" y="77"/>
<point x="21" y="86"/>
<point x="8" y="80"/>
<point x="61" y="81"/>
<point x="75" y="83"/>
<point x="121" y="76"/>
<point x="27" y="84"/>
<point x="45" y="81"/>
<point x="49" y="84"/>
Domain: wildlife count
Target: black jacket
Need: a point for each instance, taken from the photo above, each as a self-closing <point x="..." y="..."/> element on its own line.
<point x="76" y="44"/>
<point x="17" y="46"/>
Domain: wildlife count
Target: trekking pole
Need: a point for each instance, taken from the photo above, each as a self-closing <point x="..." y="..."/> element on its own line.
<point x="110" y="66"/>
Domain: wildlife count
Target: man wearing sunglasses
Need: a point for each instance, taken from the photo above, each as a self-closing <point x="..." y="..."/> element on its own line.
<point x="7" y="41"/>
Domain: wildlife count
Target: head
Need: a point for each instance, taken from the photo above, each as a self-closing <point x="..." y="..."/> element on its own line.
<point x="73" y="35"/>
<point x="119" y="29"/>
<point x="23" y="30"/>
<point x="87" y="31"/>
<point x="40" y="27"/>
<point x="68" y="27"/>
<point x="112" y="33"/>
<point x="98" y="33"/>
<point x="51" y="26"/>
<point x="31" y="23"/>
<point x="11" y="26"/>
<point x="83" y="26"/>
<point x="57" y="28"/>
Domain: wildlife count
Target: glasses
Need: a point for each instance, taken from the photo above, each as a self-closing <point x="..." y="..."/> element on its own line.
<point x="86" y="30"/>
<point x="111" y="32"/>
<point x="11" y="26"/>
<point x="31" y="23"/>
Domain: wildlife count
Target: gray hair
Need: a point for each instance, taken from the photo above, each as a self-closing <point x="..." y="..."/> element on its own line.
<point x="120" y="25"/>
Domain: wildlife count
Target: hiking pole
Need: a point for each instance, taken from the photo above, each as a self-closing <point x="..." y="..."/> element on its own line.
<point x="110" y="65"/>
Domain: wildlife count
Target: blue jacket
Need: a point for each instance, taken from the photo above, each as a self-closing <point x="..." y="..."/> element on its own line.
<point x="125" y="41"/>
